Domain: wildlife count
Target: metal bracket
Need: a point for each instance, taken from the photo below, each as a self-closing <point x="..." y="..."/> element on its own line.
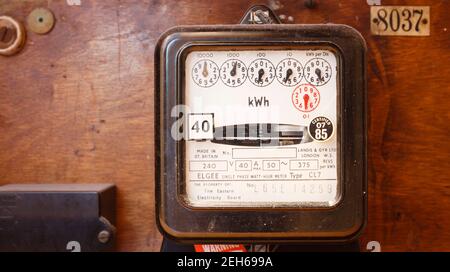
<point x="259" y="15"/>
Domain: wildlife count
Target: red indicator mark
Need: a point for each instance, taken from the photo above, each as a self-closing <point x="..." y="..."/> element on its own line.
<point x="306" y="99"/>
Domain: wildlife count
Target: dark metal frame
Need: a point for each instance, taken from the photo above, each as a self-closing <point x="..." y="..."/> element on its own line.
<point x="340" y="223"/>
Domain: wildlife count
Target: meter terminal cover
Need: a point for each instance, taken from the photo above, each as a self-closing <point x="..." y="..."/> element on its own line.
<point x="340" y="222"/>
<point x="58" y="217"/>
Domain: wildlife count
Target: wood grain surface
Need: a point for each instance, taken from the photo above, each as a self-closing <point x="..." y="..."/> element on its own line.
<point x="76" y="106"/>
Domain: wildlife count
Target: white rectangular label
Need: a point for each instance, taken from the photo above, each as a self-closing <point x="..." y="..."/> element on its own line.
<point x="243" y="165"/>
<point x="304" y="165"/>
<point x="262" y="153"/>
<point x="274" y="141"/>
<point x="195" y="166"/>
<point x="200" y="126"/>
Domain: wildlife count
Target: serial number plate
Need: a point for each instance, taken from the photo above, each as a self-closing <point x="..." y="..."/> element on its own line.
<point x="400" y="20"/>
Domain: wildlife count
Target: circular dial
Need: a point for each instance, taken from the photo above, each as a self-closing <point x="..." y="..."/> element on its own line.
<point x="261" y="72"/>
<point x="289" y="72"/>
<point x="205" y="73"/>
<point x="305" y="97"/>
<point x="233" y="73"/>
<point x="317" y="71"/>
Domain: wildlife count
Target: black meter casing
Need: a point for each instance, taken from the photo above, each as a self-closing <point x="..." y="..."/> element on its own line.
<point x="342" y="222"/>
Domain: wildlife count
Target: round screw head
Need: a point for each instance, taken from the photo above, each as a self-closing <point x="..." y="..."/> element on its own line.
<point x="104" y="236"/>
<point x="41" y="21"/>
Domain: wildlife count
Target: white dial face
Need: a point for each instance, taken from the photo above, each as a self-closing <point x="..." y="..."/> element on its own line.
<point x="233" y="72"/>
<point x="318" y="71"/>
<point x="289" y="72"/>
<point x="261" y="142"/>
<point x="261" y="72"/>
<point x="205" y="73"/>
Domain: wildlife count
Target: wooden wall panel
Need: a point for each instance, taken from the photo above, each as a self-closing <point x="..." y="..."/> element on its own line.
<point x="76" y="105"/>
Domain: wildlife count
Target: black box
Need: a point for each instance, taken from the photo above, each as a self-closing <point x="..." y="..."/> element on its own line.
<point x="57" y="217"/>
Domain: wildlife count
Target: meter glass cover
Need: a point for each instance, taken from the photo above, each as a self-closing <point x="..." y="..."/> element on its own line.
<point x="262" y="127"/>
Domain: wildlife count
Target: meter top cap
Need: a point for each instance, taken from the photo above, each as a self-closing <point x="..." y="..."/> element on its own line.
<point x="261" y="132"/>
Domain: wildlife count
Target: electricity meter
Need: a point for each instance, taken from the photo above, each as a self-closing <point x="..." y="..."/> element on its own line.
<point x="261" y="132"/>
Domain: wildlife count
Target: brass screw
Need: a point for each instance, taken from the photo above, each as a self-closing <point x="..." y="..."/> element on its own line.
<point x="12" y="36"/>
<point x="104" y="236"/>
<point x="41" y="21"/>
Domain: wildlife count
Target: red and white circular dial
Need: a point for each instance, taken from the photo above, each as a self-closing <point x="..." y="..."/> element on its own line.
<point x="305" y="98"/>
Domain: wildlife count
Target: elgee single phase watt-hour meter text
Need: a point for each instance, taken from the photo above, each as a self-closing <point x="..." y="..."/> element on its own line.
<point x="262" y="132"/>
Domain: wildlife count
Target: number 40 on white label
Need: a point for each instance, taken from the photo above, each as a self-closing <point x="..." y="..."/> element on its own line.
<point x="201" y="126"/>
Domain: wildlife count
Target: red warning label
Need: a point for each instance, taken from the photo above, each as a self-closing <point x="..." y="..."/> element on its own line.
<point x="220" y="248"/>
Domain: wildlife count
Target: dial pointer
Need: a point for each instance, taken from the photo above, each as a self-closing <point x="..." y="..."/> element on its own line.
<point x="260" y="75"/>
<point x="288" y="75"/>
<point x="319" y="74"/>
<point x="205" y="70"/>
<point x="233" y="71"/>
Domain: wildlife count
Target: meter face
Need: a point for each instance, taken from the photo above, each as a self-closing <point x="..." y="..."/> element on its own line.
<point x="262" y="127"/>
